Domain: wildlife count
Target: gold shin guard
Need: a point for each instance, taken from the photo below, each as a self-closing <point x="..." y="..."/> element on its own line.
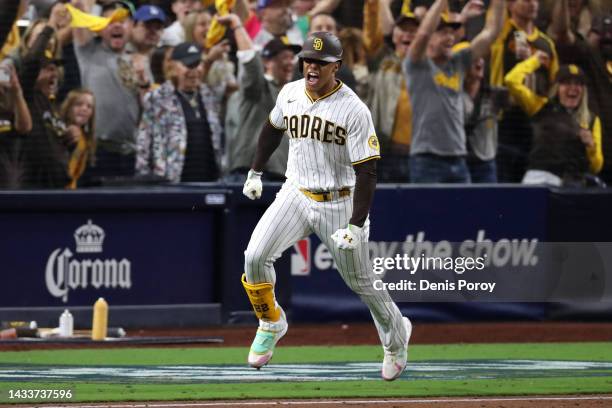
<point x="262" y="298"/>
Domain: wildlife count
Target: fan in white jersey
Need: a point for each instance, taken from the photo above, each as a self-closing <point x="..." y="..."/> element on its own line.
<point x="331" y="178"/>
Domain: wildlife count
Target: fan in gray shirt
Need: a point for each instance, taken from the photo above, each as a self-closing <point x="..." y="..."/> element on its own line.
<point x="434" y="76"/>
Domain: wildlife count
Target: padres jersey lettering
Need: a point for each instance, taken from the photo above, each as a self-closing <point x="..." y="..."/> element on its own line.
<point x="335" y="129"/>
<point x="314" y="128"/>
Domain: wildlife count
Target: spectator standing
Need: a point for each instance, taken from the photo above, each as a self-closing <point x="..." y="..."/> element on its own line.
<point x="262" y="76"/>
<point x="179" y="122"/>
<point x="15" y="121"/>
<point x="519" y="39"/>
<point x="388" y="97"/>
<point x="567" y="142"/>
<point x="276" y="21"/>
<point x="435" y="82"/>
<point x="482" y="106"/>
<point x="108" y="71"/>
<point x="594" y="56"/>
<point x="144" y="36"/>
<point x="46" y="148"/>
<point x="174" y="34"/>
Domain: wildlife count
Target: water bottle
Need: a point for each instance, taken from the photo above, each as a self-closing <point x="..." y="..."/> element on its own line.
<point x="66" y="324"/>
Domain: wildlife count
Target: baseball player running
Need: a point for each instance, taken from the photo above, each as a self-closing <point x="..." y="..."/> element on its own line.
<point x="331" y="178"/>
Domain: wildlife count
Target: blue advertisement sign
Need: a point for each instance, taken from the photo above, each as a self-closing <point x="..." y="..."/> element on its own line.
<point x="129" y="258"/>
<point x="508" y="223"/>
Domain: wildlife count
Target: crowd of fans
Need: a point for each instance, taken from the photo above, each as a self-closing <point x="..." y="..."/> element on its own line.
<point x="96" y="92"/>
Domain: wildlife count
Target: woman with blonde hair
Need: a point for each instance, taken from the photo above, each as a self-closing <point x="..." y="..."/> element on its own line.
<point x="219" y="70"/>
<point x="567" y="142"/>
<point x="78" y="113"/>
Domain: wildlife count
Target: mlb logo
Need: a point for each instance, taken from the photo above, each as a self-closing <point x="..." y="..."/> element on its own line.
<point x="300" y="261"/>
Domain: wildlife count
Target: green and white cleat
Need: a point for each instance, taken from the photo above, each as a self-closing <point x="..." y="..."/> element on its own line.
<point x="268" y="334"/>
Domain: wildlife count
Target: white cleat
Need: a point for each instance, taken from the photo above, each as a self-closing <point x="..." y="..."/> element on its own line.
<point x="394" y="363"/>
<point x="268" y="334"/>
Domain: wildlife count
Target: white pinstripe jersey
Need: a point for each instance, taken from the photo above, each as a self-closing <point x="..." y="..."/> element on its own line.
<point x="326" y="136"/>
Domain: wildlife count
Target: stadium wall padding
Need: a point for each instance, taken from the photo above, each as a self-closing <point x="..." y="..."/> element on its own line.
<point x="182" y="247"/>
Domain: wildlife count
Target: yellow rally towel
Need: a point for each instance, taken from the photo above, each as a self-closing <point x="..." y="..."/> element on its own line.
<point x="78" y="161"/>
<point x="12" y="42"/>
<point x="80" y="19"/>
<point x="406" y="8"/>
<point x="217" y="31"/>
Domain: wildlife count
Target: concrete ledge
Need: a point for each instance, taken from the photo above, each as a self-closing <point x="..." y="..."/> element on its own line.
<point x="141" y="316"/>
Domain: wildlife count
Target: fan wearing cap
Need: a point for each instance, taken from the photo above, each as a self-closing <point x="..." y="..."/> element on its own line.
<point x="276" y="21"/>
<point x="147" y="30"/>
<point x="567" y="135"/>
<point x="388" y="97"/>
<point x="594" y="56"/>
<point x="46" y="149"/>
<point x="180" y="120"/>
<point x="435" y="76"/>
<point x="108" y="71"/>
<point x="145" y="35"/>
<point x="263" y="74"/>
<point x="519" y="39"/>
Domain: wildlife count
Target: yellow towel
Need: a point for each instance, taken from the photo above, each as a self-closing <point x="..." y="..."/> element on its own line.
<point x="217" y="31"/>
<point x="406" y="8"/>
<point x="81" y="19"/>
<point x="78" y="161"/>
<point x="12" y="42"/>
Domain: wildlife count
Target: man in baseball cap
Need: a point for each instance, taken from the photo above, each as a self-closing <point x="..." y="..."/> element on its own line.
<point x="187" y="53"/>
<point x="148" y="27"/>
<point x="276" y="21"/>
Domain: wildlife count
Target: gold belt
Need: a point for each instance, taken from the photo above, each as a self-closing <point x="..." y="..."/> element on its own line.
<point x="323" y="196"/>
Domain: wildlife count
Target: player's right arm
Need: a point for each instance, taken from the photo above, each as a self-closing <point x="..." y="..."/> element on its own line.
<point x="418" y="48"/>
<point x="270" y="138"/>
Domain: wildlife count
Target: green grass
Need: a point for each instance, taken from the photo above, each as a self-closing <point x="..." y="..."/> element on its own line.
<point x="336" y="389"/>
<point x="310" y="354"/>
<point x="89" y="392"/>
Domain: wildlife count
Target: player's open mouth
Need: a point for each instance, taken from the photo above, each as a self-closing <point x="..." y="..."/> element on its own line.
<point x="312" y="78"/>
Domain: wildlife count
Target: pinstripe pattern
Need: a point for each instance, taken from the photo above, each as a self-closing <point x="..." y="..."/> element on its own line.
<point x="314" y="164"/>
<point x="321" y="160"/>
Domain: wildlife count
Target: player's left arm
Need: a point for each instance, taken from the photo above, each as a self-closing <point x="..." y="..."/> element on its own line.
<point x="365" y="185"/>
<point x="363" y="151"/>
<point x="481" y="45"/>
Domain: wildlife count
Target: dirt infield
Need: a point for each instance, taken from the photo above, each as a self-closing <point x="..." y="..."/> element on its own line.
<point x="364" y="333"/>
<point x="565" y="401"/>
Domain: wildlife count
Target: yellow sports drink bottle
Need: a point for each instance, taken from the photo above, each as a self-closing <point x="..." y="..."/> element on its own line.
<point x="100" y="320"/>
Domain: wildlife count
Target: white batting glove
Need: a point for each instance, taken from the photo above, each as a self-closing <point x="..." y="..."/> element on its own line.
<point x="347" y="238"/>
<point x="252" y="186"/>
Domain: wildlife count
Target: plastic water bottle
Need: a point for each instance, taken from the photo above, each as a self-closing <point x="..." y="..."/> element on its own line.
<point x="66" y="324"/>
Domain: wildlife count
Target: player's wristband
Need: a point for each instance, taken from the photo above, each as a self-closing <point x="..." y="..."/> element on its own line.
<point x="255" y="173"/>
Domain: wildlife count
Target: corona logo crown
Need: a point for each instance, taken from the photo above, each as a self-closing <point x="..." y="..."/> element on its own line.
<point x="89" y="238"/>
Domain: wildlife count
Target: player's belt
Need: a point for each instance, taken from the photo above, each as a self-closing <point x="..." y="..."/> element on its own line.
<point x="322" y="196"/>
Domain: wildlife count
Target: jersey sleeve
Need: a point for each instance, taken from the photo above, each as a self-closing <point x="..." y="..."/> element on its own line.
<point x="362" y="140"/>
<point x="276" y="117"/>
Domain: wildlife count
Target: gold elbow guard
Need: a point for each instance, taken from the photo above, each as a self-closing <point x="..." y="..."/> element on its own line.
<point x="261" y="296"/>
